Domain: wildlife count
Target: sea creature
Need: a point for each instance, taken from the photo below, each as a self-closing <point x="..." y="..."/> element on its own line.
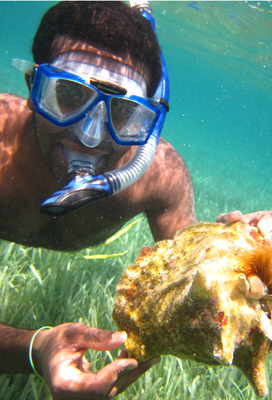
<point x="203" y="296"/>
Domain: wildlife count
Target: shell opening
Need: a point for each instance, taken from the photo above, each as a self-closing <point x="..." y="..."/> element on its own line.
<point x="255" y="278"/>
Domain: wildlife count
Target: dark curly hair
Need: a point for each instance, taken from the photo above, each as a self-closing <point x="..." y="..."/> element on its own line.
<point x="120" y="29"/>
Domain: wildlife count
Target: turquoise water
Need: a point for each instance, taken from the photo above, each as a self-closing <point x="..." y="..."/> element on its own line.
<point x="219" y="60"/>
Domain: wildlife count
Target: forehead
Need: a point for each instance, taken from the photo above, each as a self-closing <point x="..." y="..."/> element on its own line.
<point x="64" y="44"/>
<point x="91" y="66"/>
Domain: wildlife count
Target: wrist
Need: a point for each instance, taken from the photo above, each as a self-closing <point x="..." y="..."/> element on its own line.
<point x="14" y="347"/>
<point x="34" y="351"/>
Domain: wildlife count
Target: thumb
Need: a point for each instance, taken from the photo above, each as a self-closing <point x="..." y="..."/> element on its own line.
<point x="117" y="369"/>
<point x="103" y="381"/>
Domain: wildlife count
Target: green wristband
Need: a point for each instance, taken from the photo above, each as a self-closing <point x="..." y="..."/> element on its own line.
<point x="30" y="349"/>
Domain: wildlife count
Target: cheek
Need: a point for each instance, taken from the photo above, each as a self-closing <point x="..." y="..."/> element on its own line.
<point x="119" y="151"/>
<point x="119" y="154"/>
<point x="49" y="126"/>
<point x="113" y="159"/>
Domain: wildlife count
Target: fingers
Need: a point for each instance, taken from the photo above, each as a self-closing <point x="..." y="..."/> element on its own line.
<point x="265" y="228"/>
<point x="82" y="336"/>
<point x="142" y="368"/>
<point x="230" y="217"/>
<point x="79" y="361"/>
<point x="260" y="219"/>
<point x="268" y="239"/>
<point x="254" y="218"/>
<point x="117" y="368"/>
<point x="126" y="379"/>
<point x="67" y="344"/>
<point x="68" y="373"/>
<point x="105" y="340"/>
<point x="69" y="381"/>
<point x="105" y="384"/>
<point x="265" y="225"/>
<point x="96" y="385"/>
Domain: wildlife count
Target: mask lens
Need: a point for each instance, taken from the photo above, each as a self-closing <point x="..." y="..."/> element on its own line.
<point x="131" y="121"/>
<point x="61" y="99"/>
<point x="121" y="111"/>
<point x="72" y="97"/>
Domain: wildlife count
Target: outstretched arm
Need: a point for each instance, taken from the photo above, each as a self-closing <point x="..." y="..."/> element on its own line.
<point x="171" y="203"/>
<point x="58" y="355"/>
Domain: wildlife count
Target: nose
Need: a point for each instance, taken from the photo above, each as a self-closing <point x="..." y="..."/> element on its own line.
<point x="91" y="130"/>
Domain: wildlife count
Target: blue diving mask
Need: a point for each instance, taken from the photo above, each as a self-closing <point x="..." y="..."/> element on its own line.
<point x="88" y="101"/>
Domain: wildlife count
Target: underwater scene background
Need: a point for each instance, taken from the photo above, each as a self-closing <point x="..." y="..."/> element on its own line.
<point x="219" y="60"/>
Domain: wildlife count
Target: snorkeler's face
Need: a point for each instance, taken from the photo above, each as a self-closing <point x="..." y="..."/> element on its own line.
<point x="57" y="143"/>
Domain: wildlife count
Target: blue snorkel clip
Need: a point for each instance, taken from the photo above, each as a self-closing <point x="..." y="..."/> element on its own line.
<point x="86" y="188"/>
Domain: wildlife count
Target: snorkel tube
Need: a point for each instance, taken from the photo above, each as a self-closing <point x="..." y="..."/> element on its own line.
<point x="84" y="187"/>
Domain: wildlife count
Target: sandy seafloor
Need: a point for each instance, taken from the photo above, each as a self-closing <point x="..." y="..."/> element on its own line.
<point x="219" y="60"/>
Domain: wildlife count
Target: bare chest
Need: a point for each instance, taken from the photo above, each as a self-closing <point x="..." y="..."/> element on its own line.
<point x="24" y="224"/>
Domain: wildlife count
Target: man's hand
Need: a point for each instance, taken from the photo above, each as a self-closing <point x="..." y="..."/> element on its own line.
<point x="59" y="356"/>
<point x="262" y="220"/>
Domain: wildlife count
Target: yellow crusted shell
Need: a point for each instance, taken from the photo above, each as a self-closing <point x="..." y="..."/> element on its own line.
<point x="201" y="296"/>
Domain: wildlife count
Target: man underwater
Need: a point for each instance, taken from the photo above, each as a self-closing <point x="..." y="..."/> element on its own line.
<point x="88" y="135"/>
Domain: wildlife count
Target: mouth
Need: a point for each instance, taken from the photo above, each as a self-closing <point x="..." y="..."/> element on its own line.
<point x="70" y="150"/>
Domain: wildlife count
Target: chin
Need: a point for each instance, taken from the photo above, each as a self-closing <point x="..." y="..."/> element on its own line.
<point x="61" y="175"/>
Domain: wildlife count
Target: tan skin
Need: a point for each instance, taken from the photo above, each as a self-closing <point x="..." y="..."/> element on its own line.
<point x="32" y="168"/>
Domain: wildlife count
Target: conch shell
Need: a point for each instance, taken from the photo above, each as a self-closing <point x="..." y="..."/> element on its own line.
<point x="203" y="296"/>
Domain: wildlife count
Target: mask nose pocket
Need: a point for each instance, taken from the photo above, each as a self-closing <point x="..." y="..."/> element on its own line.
<point x="91" y="129"/>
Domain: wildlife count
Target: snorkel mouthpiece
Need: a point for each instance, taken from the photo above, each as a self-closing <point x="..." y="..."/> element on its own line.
<point x="86" y="188"/>
<point x="82" y="189"/>
<point x="79" y="192"/>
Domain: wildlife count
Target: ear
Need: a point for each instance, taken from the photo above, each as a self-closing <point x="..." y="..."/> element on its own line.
<point x="29" y="101"/>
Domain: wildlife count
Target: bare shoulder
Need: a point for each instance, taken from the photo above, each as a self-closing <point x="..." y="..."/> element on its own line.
<point x="168" y="155"/>
<point x="12" y="101"/>
<point x="12" y="105"/>
<point x="168" y="171"/>
<point x="13" y="111"/>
